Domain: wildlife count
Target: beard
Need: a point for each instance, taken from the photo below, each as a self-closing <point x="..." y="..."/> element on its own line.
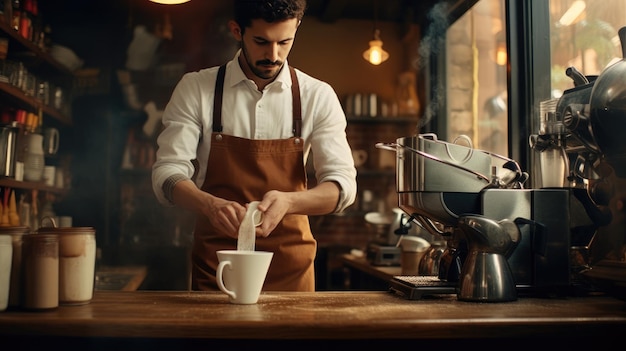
<point x="264" y="69"/>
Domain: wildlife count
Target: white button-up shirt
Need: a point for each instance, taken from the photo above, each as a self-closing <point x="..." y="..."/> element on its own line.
<point x="249" y="113"/>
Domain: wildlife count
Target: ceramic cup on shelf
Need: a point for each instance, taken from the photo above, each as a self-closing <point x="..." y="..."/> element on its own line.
<point x="34" y="161"/>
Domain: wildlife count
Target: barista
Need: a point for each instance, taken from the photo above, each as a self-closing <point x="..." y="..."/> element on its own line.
<point x="250" y="126"/>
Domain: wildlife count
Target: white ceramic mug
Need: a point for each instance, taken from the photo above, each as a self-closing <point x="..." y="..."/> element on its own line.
<point x="241" y="274"/>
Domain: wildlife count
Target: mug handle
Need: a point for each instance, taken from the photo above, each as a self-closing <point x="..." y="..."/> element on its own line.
<point x="220" y="279"/>
<point x="257" y="218"/>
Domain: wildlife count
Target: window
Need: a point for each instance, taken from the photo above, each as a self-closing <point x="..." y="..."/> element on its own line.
<point x="583" y="34"/>
<point x="476" y="62"/>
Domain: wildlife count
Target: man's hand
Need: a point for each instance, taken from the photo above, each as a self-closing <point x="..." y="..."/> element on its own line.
<point x="225" y="215"/>
<point x="274" y="207"/>
<point x="275" y="204"/>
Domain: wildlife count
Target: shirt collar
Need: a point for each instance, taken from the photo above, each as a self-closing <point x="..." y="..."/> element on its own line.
<point x="235" y="74"/>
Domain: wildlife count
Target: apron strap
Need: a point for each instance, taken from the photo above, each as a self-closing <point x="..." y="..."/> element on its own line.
<point x="297" y="109"/>
<point x="217" y="100"/>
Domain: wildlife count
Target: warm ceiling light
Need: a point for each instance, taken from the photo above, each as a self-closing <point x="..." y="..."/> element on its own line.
<point x="375" y="54"/>
<point x="501" y="54"/>
<point x="572" y="13"/>
<point x="170" y="2"/>
<point x="501" y="57"/>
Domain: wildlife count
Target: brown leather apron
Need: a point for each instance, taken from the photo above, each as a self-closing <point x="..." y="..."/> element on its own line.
<point x="243" y="170"/>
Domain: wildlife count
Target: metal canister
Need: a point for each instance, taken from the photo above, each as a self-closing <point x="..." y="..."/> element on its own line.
<point x="16" y="283"/>
<point x="8" y="140"/>
<point x="41" y="271"/>
<point x="77" y="263"/>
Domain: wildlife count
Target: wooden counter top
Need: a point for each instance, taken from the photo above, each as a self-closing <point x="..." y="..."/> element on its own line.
<point x="347" y="316"/>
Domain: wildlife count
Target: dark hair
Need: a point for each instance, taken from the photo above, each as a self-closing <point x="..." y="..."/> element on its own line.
<point x="267" y="10"/>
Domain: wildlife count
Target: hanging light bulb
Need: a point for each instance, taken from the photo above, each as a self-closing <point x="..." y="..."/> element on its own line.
<point x="375" y="54"/>
<point x="170" y="2"/>
<point x="501" y="56"/>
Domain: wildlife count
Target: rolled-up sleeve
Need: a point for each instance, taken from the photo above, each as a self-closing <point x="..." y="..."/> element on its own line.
<point x="178" y="141"/>
<point x="332" y="155"/>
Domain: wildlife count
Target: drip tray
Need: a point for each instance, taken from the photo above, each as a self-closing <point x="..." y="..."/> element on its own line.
<point x="415" y="287"/>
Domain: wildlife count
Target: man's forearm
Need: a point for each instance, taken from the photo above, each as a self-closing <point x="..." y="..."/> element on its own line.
<point x="319" y="200"/>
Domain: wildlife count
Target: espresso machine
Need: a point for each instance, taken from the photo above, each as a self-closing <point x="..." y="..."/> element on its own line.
<point x="532" y="241"/>
<point x="501" y="239"/>
<point x="588" y="121"/>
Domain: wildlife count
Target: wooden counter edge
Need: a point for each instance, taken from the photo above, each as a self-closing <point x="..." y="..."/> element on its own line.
<point x="292" y="316"/>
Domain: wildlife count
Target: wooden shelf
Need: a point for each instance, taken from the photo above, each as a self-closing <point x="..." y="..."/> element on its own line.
<point x="41" y="186"/>
<point x="40" y="63"/>
<point x="39" y="59"/>
<point x="30" y="102"/>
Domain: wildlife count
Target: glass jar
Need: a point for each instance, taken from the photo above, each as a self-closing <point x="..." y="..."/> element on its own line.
<point x="77" y="261"/>
<point x="15" y="291"/>
<point x="41" y="271"/>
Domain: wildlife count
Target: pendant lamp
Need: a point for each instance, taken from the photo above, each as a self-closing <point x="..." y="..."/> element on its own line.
<point x="375" y="54"/>
<point x="170" y="2"/>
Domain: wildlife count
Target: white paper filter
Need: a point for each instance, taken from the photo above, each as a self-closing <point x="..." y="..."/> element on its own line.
<point x="245" y="240"/>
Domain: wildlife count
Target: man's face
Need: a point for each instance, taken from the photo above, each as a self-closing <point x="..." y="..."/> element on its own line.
<point x="266" y="45"/>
